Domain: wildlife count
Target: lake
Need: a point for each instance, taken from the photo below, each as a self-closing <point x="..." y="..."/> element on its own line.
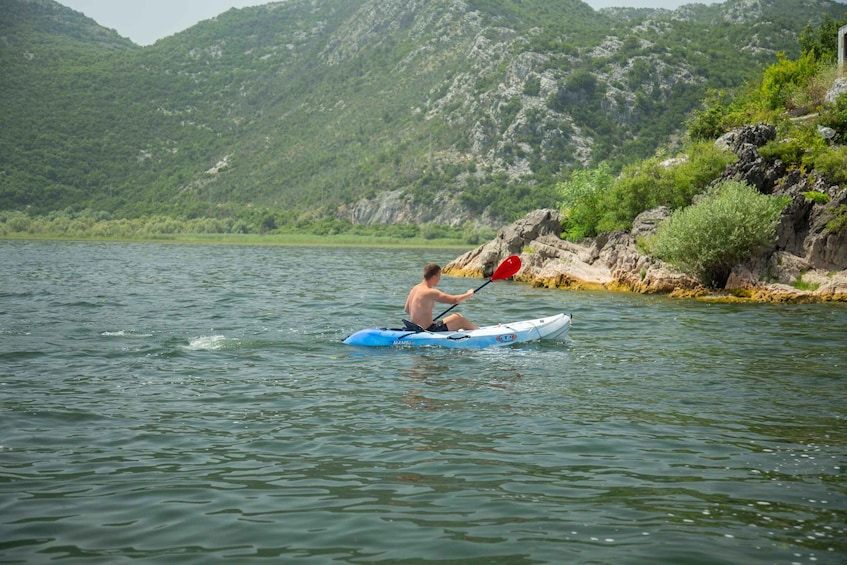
<point x="166" y="403"/>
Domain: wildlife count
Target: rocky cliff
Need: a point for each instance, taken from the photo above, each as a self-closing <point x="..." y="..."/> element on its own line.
<point x="806" y="263"/>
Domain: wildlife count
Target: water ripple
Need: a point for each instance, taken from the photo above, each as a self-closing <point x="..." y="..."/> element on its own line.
<point x="198" y="406"/>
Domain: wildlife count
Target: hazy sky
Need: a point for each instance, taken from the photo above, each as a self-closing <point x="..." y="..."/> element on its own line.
<point x="145" y="22"/>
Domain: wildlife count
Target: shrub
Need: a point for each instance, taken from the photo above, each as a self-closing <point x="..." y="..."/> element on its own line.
<point x="709" y="122"/>
<point x="19" y="222"/>
<point x="786" y="78"/>
<point x="789" y="152"/>
<point x="728" y="224"/>
<point x="431" y="230"/>
<point x="813" y="95"/>
<point x="839" y="223"/>
<point x="532" y="86"/>
<point x="816" y="197"/>
<point x="722" y="111"/>
<point x="831" y="163"/>
<point x="581" y="201"/>
<point x="474" y="235"/>
<point x="657" y="182"/>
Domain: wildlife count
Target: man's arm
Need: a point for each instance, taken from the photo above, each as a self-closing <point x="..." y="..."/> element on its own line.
<point x="445" y="298"/>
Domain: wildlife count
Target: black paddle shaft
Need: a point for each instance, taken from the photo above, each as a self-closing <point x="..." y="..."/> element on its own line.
<point x="507" y="268"/>
<point x="454" y="305"/>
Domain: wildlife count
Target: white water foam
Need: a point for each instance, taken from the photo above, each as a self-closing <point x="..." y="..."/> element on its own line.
<point x="124" y="333"/>
<point x="210" y="343"/>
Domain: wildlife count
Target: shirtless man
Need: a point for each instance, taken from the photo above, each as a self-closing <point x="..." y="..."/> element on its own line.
<point x="422" y="299"/>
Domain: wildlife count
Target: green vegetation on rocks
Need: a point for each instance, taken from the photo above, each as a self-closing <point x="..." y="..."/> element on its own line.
<point x="716" y="225"/>
<point x="726" y="225"/>
<point x="594" y="201"/>
<point x="839" y="223"/>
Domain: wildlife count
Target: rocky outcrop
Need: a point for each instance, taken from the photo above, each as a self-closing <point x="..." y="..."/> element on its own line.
<point x="806" y="263"/>
<point x="482" y="261"/>
<point x="802" y="230"/>
<point x="610" y="261"/>
<point x="751" y="167"/>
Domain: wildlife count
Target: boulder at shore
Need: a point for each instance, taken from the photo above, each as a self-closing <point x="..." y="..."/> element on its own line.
<point x="806" y="263"/>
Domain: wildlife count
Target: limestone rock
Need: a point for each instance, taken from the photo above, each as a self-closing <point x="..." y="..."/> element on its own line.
<point x="825" y="249"/>
<point x="833" y="288"/>
<point x="646" y="222"/>
<point x="788" y="268"/>
<point x="838" y="88"/>
<point x="756" y="135"/>
<point x="751" y="167"/>
<point x="511" y="240"/>
<point x="396" y="207"/>
<point x="612" y="261"/>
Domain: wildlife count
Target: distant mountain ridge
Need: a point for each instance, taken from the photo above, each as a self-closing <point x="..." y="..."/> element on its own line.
<point x="369" y="109"/>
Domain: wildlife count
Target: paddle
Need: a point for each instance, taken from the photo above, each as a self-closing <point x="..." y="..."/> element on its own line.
<point x="506" y="269"/>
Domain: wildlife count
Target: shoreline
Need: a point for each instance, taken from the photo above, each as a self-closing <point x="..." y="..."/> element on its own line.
<point x="761" y="293"/>
<point x="292" y="240"/>
<point x="614" y="263"/>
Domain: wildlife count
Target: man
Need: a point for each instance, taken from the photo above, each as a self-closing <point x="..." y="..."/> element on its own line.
<point x="422" y="299"/>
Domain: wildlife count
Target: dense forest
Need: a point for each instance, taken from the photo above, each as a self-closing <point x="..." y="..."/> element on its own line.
<point x="304" y="116"/>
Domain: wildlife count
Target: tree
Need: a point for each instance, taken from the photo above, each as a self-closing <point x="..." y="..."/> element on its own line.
<point x="822" y="43"/>
<point x="581" y="201"/>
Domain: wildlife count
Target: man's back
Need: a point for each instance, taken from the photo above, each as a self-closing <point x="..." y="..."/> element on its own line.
<point x="420" y="303"/>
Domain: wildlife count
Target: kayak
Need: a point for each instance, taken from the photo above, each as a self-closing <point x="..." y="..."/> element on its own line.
<point x="549" y="328"/>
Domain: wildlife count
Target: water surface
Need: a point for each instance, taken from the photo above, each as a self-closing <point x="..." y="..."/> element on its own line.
<point x="188" y="404"/>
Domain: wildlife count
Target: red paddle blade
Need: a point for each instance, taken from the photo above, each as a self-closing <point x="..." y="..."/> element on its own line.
<point x="507" y="268"/>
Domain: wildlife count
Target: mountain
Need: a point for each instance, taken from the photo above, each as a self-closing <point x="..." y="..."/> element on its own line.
<point x="375" y="110"/>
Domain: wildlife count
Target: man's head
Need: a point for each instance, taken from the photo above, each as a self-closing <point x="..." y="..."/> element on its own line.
<point x="431" y="270"/>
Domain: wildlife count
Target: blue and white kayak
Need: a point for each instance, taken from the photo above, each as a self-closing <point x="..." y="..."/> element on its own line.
<point x="549" y="328"/>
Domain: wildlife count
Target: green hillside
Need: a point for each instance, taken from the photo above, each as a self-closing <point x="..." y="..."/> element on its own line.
<point x="301" y="110"/>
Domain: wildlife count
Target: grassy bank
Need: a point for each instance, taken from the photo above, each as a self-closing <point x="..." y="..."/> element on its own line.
<point x="297" y="239"/>
<point x="91" y="225"/>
